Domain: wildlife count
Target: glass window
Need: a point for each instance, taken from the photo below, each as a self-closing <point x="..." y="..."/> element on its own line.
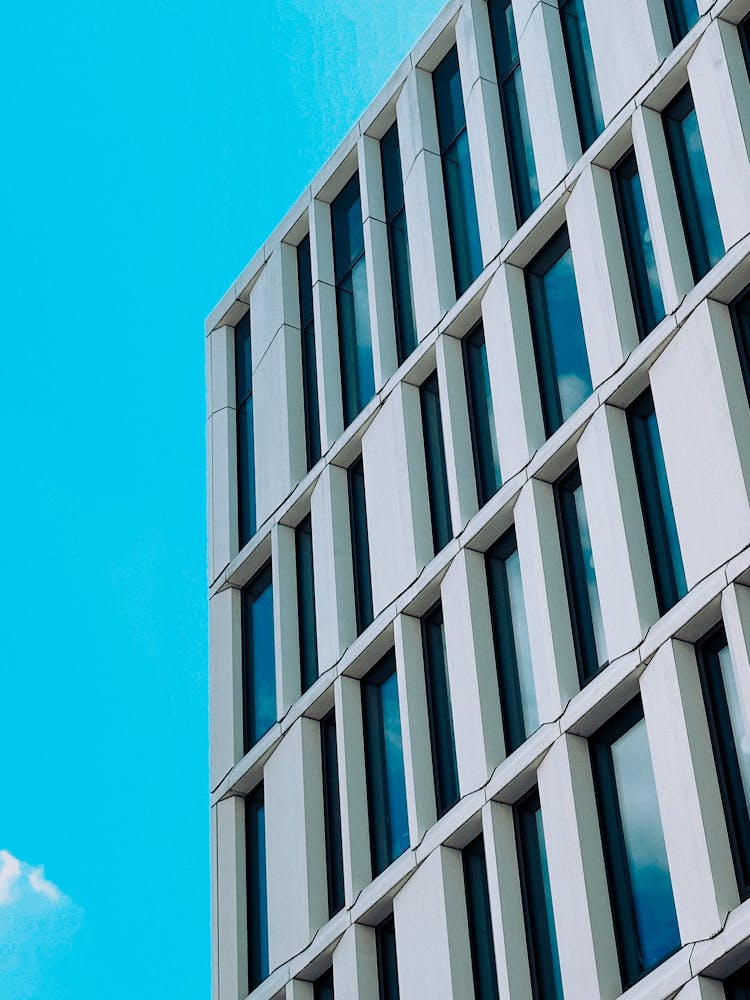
<point x="481" y="941"/>
<point x="257" y="907"/>
<point x="580" y="576"/>
<point x="439" y="714"/>
<point x="258" y="657"/>
<point x="511" y="638"/>
<point x="360" y="546"/>
<point x="309" y="362"/>
<point x="385" y="939"/>
<point x="243" y="368"/>
<point x="559" y="345"/>
<point x="515" y="115"/>
<point x="398" y="244"/>
<point x="323" y="987"/>
<point x="639" y="250"/>
<point x="332" y="814"/>
<point x="437" y="477"/>
<point x="541" y="936"/>
<point x="656" y="503"/>
<point x="744" y="30"/>
<point x="308" y="633"/>
<point x="640" y="886"/>
<point x="694" y="193"/>
<point x="355" y="342"/>
<point x="682" y="15"/>
<point x="463" y="225"/>
<point x="582" y="73"/>
<point x="737" y="987"/>
<point x="481" y="416"/>
<point x="731" y="744"/>
<point x="384" y="763"/>
<point x="740" y="312"/>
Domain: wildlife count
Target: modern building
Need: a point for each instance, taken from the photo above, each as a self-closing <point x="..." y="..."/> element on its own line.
<point x="479" y="508"/>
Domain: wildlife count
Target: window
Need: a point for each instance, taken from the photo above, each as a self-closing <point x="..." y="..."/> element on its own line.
<point x="515" y="115"/>
<point x="308" y="634"/>
<point x="257" y="907"/>
<point x="737" y="987"/>
<point x="398" y="244"/>
<point x="439" y="714"/>
<point x="309" y="362"/>
<point x="582" y="73"/>
<point x="258" y="658"/>
<point x="384" y="765"/>
<point x="463" y="226"/>
<point x="682" y="15"/>
<point x="740" y="312"/>
<point x="580" y="576"/>
<point x="731" y="745"/>
<point x="541" y="936"/>
<point x="559" y="345"/>
<point x="481" y="941"/>
<point x="636" y="239"/>
<point x="352" y="304"/>
<point x="481" y="416"/>
<point x="744" y="30"/>
<point x="360" y="546"/>
<point x="511" y="638"/>
<point x="656" y="503"/>
<point x="385" y="940"/>
<point x="640" y="887"/>
<point x="332" y="814"/>
<point x="437" y="477"/>
<point x="243" y="369"/>
<point x="323" y="987"/>
<point x="694" y="194"/>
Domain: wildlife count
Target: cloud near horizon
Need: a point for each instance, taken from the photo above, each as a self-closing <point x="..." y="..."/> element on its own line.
<point x="17" y="878"/>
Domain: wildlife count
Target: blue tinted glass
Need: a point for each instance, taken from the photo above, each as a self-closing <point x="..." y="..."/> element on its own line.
<point x="566" y="335"/>
<point x="582" y="73"/>
<point x="463" y="224"/>
<point x="355" y="344"/>
<point x="647" y="245"/>
<point x="703" y="190"/>
<point x="638" y="245"/>
<point x="481" y="417"/>
<point x="257" y="896"/>
<point x="682" y="15"/>
<point x="394" y="766"/>
<point x="555" y="968"/>
<point x="246" y="471"/>
<point x="263" y="662"/>
<point x="449" y="99"/>
<point x="308" y="636"/>
<point x="591" y="586"/>
<point x="662" y="484"/>
<point x="398" y="244"/>
<point x="521" y="641"/>
<point x="437" y="478"/>
<point x="243" y="363"/>
<point x="348" y="235"/>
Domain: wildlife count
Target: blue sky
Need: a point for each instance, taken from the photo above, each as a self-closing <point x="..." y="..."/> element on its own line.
<point x="150" y="147"/>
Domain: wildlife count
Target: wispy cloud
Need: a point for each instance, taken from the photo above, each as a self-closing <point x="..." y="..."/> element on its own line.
<point x="10" y="873"/>
<point x="18" y="878"/>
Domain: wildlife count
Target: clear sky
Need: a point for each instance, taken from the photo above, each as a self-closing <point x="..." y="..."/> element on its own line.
<point x="149" y="148"/>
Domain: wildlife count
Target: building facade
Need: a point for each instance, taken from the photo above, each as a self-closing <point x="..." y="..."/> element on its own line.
<point x="479" y="529"/>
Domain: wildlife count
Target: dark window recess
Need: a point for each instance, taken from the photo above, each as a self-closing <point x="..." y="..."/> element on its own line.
<point x="511" y="639"/>
<point x="437" y="477"/>
<point x="439" y="713"/>
<point x="693" y="185"/>
<point x="744" y="30"/>
<point x="385" y="940"/>
<point x="460" y="202"/>
<point x="398" y="244"/>
<point x="640" y="886"/>
<point x="243" y="369"/>
<point x="323" y="987"/>
<point x="257" y="905"/>
<point x="682" y="15"/>
<point x="258" y="658"/>
<point x="332" y="814"/>
<point x="481" y="416"/>
<point x="360" y="546"/>
<point x="481" y="941"/>
<point x="559" y="344"/>
<point x="352" y="304"/>
<point x="737" y="987"/>
<point x="740" y="312"/>
<point x="523" y="177"/>
<point x="309" y="362"/>
<point x="384" y="765"/>
<point x="308" y="633"/>
<point x="541" y="936"/>
<point x="656" y="503"/>
<point x="582" y="73"/>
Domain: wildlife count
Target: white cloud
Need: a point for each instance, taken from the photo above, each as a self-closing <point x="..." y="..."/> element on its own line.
<point x="17" y="877"/>
<point x="10" y="873"/>
<point x="43" y="886"/>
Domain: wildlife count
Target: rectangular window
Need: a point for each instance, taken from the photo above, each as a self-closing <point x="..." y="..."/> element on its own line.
<point x="352" y="304"/>
<point x="640" y="886"/>
<point x="744" y="30"/>
<point x="511" y="639"/>
<point x="437" y="477"/>
<point x="682" y="15"/>
<point x="481" y="941"/>
<point x="693" y="185"/>
<point x="740" y="313"/>
<point x="481" y="416"/>
<point x="323" y="987"/>
<point x="582" y="73"/>
<point x="580" y="576"/>
<point x="398" y="244"/>
<point x="257" y="907"/>
<point x="439" y="713"/>
<point x="559" y="344"/>
<point x="309" y="362"/>
<point x="460" y="202"/>
<point x="385" y="940"/>
<point x="515" y="115"/>
<point x="258" y="658"/>
<point x="332" y="814"/>
<point x="541" y="936"/>
<point x="243" y="369"/>
<point x="656" y="503"/>
<point x="360" y="546"/>
<point x="308" y="633"/>
<point x="731" y="745"/>
<point x="737" y="987"/>
<point x="384" y="765"/>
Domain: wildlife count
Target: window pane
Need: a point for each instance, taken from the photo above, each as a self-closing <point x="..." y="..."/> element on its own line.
<point x="360" y="546"/>
<point x="740" y="312"/>
<point x="398" y="244"/>
<point x="258" y="658"/>
<point x="437" y="478"/>
<point x="332" y="814"/>
<point x="257" y="907"/>
<point x="308" y="633"/>
<point x="481" y="416"/>
<point x="744" y="30"/>
<point x="682" y="15"/>
<point x="582" y="73"/>
<point x="323" y="987"/>
<point x="481" y="939"/>
<point x="737" y="987"/>
<point x="439" y="713"/>
<point x="309" y="363"/>
<point x="245" y="443"/>
<point x="385" y="939"/>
